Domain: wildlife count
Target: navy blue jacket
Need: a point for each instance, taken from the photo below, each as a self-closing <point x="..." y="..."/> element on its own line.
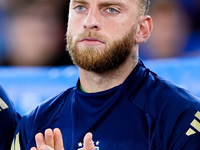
<point x="145" y="112"/>
<point x="9" y="119"/>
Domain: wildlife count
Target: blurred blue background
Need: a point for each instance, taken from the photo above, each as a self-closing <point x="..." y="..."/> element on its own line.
<point x="28" y="86"/>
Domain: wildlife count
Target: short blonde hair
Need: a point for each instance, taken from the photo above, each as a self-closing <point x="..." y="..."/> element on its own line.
<point x="144" y="5"/>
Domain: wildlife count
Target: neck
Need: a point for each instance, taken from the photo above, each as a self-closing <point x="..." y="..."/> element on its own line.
<point x="93" y="82"/>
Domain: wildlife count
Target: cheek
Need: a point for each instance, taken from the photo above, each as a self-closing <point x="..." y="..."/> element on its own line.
<point x="75" y="21"/>
<point x="73" y="28"/>
<point x="112" y="28"/>
<point x="119" y="30"/>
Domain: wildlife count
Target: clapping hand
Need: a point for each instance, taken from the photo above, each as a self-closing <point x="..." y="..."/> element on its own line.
<point x="52" y="140"/>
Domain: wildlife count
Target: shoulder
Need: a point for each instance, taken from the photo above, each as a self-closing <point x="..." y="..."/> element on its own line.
<point x="166" y="97"/>
<point x="50" y="108"/>
<point x="175" y="112"/>
<point x="5" y="102"/>
<point x="8" y="113"/>
<point x="155" y="94"/>
<point x="40" y="118"/>
<point x="173" y="95"/>
<point x="46" y="112"/>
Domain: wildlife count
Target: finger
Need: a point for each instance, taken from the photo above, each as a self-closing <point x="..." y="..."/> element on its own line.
<point x="49" y="138"/>
<point x="33" y="148"/>
<point x="58" y="139"/>
<point x="45" y="147"/>
<point x="39" y="138"/>
<point x="88" y="142"/>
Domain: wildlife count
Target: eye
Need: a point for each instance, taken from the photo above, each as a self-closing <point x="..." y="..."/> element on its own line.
<point x="80" y="8"/>
<point x="112" y="10"/>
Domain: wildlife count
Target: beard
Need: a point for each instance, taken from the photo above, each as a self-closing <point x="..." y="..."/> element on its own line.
<point x="97" y="59"/>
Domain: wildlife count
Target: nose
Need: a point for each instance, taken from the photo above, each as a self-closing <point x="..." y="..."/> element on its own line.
<point x="92" y="20"/>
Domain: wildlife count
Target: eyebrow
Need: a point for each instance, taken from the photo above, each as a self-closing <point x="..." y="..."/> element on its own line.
<point x="108" y="3"/>
<point x="118" y="3"/>
<point x="80" y="1"/>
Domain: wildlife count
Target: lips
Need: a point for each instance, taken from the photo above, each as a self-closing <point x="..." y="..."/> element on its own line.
<point x="90" y="39"/>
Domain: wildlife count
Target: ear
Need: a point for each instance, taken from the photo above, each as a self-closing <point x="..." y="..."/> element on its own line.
<point x="145" y="26"/>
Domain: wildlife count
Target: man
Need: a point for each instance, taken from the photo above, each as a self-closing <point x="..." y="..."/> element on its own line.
<point x="117" y="99"/>
<point x="9" y="120"/>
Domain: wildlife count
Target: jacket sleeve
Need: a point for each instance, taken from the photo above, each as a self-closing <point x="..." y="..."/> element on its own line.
<point x="9" y="119"/>
<point x="178" y="126"/>
<point x="23" y="132"/>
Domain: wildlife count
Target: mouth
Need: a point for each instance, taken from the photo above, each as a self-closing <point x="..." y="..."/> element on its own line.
<point x="90" y="41"/>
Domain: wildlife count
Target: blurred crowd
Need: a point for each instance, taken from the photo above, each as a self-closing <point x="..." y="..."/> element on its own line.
<point x="176" y="30"/>
<point x="32" y="32"/>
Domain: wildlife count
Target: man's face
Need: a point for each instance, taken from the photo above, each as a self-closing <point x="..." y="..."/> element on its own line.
<point x="101" y="33"/>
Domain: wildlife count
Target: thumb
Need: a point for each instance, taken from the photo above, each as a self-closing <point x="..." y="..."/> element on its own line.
<point x="88" y="142"/>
